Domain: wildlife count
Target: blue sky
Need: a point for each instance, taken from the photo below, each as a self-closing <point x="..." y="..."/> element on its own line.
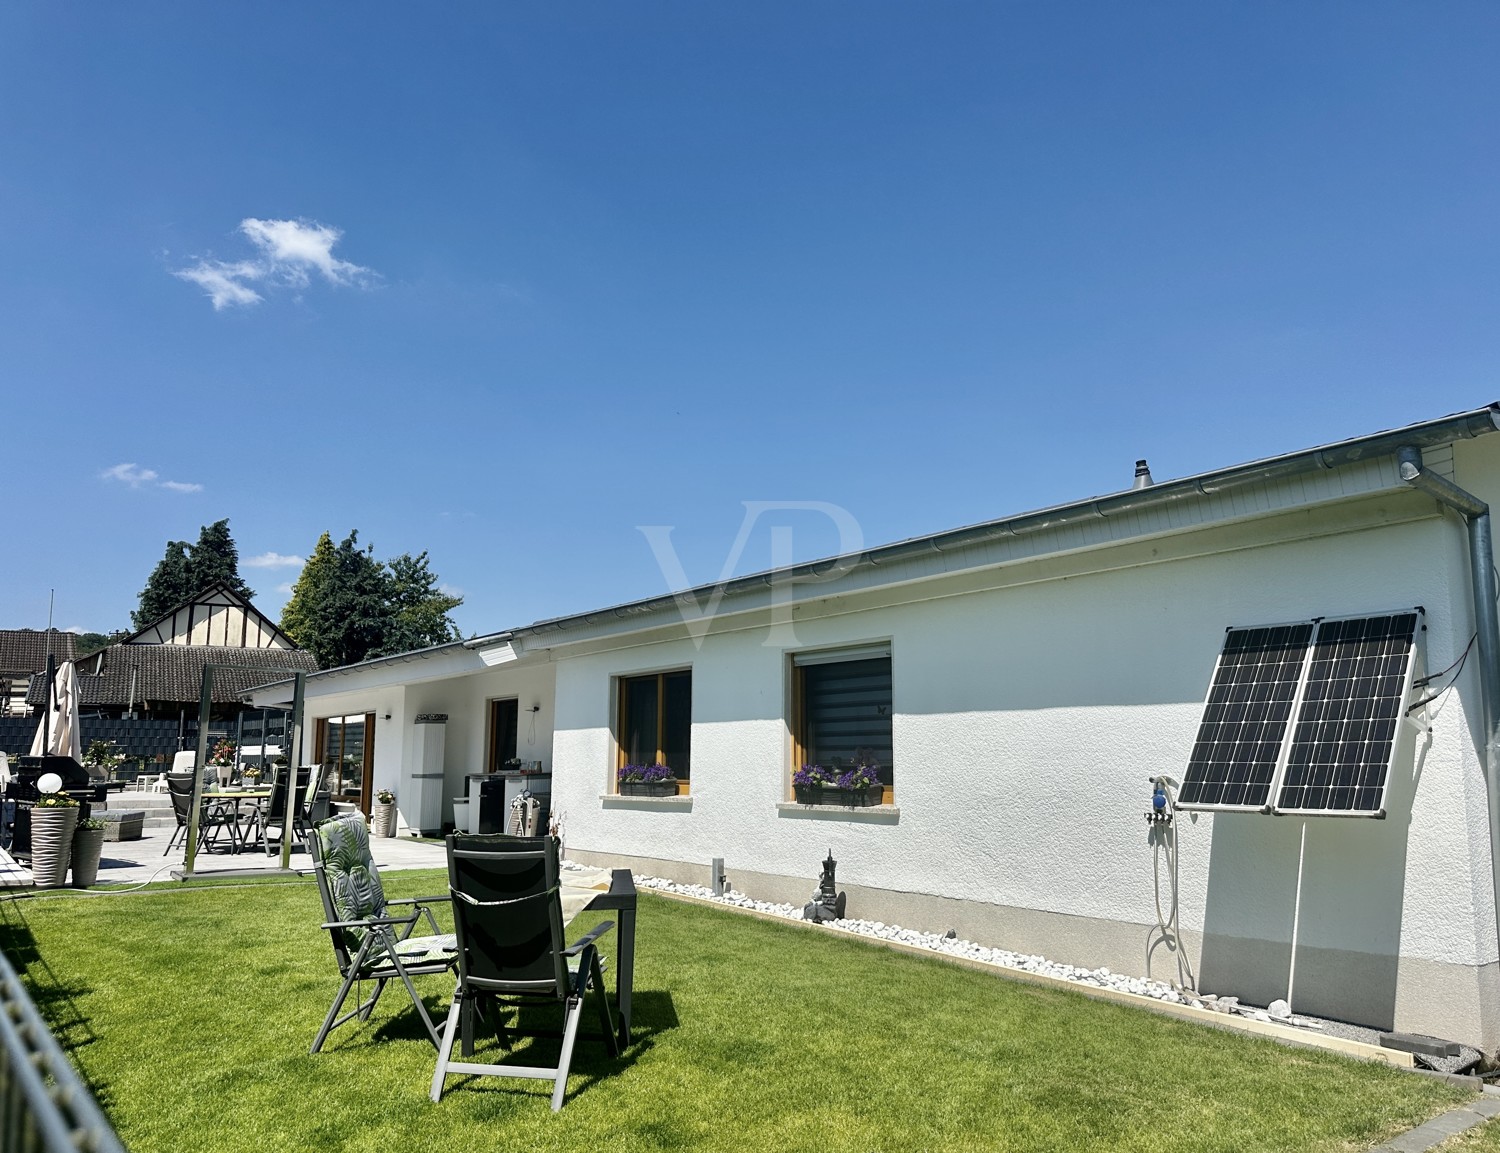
<point x="529" y="277"/>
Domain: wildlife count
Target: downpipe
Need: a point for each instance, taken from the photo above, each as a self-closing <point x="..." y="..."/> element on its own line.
<point x="1476" y="516"/>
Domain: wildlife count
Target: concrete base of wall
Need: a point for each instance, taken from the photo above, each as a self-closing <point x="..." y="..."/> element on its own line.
<point x="1457" y="1002"/>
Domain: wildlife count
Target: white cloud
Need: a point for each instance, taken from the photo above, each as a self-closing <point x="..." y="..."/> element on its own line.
<point x="273" y="560"/>
<point x="290" y="250"/>
<point x="450" y="590"/>
<point x="129" y="474"/>
<point x="285" y="588"/>
<point x="135" y="476"/>
<point x="222" y="281"/>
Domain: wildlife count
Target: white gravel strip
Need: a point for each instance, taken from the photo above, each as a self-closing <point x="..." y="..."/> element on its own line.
<point x="1102" y="978"/>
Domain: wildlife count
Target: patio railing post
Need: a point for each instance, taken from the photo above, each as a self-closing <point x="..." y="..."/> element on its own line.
<point x="294" y="754"/>
<point x="205" y="707"/>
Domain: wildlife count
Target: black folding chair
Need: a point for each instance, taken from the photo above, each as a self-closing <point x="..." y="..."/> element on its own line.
<point x="213" y="821"/>
<point x="507" y="916"/>
<point x="373" y="938"/>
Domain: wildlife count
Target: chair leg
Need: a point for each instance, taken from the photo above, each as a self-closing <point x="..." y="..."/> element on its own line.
<point x="338" y="1003"/>
<point x="570" y="1034"/>
<point x="445" y="1047"/>
<point x="601" y="997"/>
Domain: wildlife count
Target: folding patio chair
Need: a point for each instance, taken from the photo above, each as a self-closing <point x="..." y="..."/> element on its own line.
<point x="507" y="916"/>
<point x="213" y="821"/>
<point x="370" y="942"/>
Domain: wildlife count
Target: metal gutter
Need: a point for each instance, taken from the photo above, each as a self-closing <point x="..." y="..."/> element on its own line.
<point x="1476" y="516"/>
<point x="1460" y="426"/>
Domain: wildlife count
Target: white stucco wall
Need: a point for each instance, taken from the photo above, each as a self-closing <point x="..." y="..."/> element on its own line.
<point x="1028" y="722"/>
<point x="465" y="698"/>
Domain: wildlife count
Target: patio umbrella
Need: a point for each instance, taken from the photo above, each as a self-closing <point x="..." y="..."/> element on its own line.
<point x="58" y="734"/>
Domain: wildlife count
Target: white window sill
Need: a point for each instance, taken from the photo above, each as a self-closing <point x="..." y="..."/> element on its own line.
<point x="677" y="804"/>
<point x="869" y="815"/>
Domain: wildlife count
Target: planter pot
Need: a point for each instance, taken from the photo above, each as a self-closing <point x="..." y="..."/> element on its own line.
<point x="845" y="798"/>
<point x="51" y="845"/>
<point x="88" y="847"/>
<point x="225" y="774"/>
<point x="648" y="788"/>
<point x="383" y="820"/>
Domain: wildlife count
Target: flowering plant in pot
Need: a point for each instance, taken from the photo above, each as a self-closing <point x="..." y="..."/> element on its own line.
<point x="88" y="847"/>
<point x="646" y="781"/>
<point x="53" y="818"/>
<point x="101" y="755"/>
<point x="222" y="757"/>
<point x="858" y="786"/>
<point x="383" y="819"/>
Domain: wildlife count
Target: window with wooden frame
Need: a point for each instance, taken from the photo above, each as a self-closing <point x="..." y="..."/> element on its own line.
<point x="841" y="712"/>
<point x="346" y="750"/>
<point x="505" y="723"/>
<point x="655" y="722"/>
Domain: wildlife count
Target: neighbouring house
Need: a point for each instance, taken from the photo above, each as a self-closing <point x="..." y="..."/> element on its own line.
<point x="23" y="653"/>
<point x="147" y="686"/>
<point x="1307" y="645"/>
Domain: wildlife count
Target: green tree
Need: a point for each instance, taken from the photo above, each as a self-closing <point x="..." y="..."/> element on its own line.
<point x="167" y="587"/>
<point x="420" y="606"/>
<point x="216" y="560"/>
<point x="347" y="607"/>
<point x="296" y="615"/>
<point x="88" y="644"/>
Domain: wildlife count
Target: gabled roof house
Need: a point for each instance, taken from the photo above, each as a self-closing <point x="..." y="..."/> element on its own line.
<point x="158" y="670"/>
<point x="24" y="652"/>
<point x="1300" y="653"/>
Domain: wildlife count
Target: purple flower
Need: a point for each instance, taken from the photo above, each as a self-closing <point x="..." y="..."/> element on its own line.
<point x="809" y="776"/>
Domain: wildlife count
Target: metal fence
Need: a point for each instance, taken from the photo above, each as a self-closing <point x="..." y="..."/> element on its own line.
<point x="44" y="1105"/>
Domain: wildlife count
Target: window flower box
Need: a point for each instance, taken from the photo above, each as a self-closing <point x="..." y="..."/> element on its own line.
<point x="648" y="788"/>
<point x="646" y="781"/>
<point x="859" y="798"/>
<point x="856" y="788"/>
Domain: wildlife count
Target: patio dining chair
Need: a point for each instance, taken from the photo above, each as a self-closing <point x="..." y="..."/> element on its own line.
<point x="301" y="795"/>
<point x="507" y="916"/>
<point x="372" y="941"/>
<point x="213" y="821"/>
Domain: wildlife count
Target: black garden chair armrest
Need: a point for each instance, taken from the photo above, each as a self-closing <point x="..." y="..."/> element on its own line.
<point x="588" y="938"/>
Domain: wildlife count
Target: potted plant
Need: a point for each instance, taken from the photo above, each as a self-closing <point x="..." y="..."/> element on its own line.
<point x="222" y="758"/>
<point x="383" y="819"/>
<point x="53" y="818"/>
<point x="101" y="755"/>
<point x="88" y="847"/>
<point x="857" y="787"/>
<point x="252" y="774"/>
<point x="646" y="781"/>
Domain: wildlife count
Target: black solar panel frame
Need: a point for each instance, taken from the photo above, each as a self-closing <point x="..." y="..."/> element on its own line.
<point x="1364" y="714"/>
<point x="1248" y="787"/>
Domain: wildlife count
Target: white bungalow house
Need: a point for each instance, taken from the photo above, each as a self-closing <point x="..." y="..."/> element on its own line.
<point x="1021" y="683"/>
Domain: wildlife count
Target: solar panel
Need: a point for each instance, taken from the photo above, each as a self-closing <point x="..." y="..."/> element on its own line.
<point x="1245" y="718"/>
<point x="1339" y="757"/>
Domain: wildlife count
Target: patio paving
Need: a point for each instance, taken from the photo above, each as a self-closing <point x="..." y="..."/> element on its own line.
<point x="139" y="861"/>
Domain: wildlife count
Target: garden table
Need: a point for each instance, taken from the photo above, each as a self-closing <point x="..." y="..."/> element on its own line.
<point x="229" y="801"/>
<point x="620" y="897"/>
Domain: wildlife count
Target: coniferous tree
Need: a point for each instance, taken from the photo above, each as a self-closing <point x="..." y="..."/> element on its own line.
<point x="216" y="560"/>
<point x="347" y="607"/>
<point x="296" y="614"/>
<point x="167" y="586"/>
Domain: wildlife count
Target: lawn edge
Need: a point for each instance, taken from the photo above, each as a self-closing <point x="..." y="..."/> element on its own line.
<point x="1286" y="1034"/>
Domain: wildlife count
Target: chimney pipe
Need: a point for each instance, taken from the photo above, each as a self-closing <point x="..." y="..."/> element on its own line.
<point x="1142" y="476"/>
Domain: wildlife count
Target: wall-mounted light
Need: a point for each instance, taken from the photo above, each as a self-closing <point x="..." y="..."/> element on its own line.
<point x="386" y="717"/>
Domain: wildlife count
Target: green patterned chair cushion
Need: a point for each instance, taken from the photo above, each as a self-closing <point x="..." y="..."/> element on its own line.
<point x="414" y="952"/>
<point x="353" y="882"/>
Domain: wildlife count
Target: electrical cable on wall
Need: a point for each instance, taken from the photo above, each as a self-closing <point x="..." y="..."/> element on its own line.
<point x="1162" y="819"/>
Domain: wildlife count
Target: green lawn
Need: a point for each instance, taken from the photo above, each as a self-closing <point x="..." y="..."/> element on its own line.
<point x="190" y="1011"/>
